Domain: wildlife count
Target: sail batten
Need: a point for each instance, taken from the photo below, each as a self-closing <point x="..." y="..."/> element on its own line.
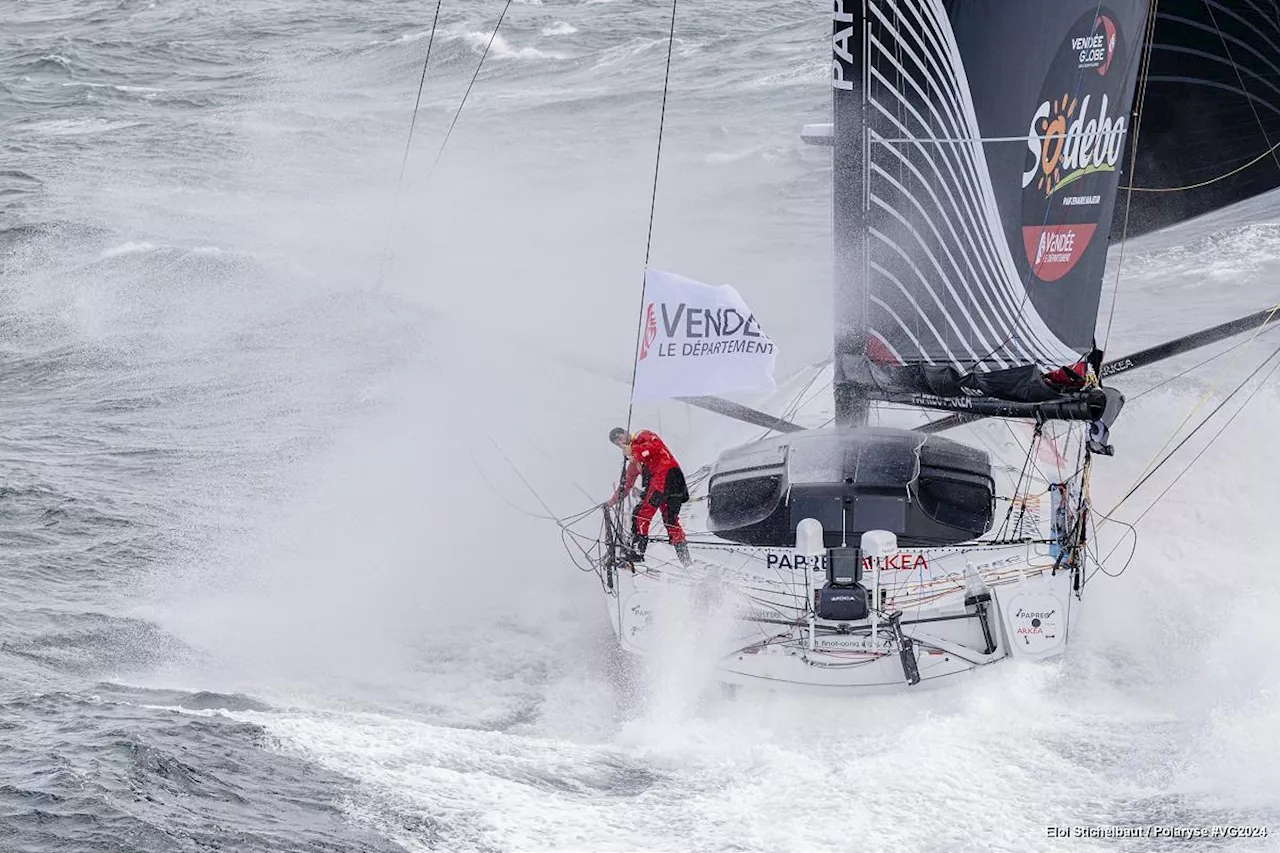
<point x="955" y="265"/>
<point x="983" y="278"/>
<point x="906" y="330"/>
<point x="909" y="294"/>
<point x="970" y="207"/>
<point x="923" y="249"/>
<point x="954" y="122"/>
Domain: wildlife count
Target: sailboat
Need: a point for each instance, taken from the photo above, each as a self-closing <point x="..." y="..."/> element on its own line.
<point x="863" y="545"/>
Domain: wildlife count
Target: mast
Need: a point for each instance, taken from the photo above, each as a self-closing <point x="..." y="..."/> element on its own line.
<point x="849" y="208"/>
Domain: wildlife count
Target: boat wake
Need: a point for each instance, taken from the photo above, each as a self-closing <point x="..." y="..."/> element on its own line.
<point x="502" y="722"/>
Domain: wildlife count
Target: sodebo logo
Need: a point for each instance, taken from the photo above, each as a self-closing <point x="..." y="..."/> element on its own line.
<point x="1068" y="143"/>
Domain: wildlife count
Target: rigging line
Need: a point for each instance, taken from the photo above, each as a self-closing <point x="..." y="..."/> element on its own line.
<point x="797" y="401"/>
<point x="1240" y="79"/>
<point x="1100" y="562"/>
<point x="574" y="518"/>
<point x="802" y="403"/>
<point x="458" y="113"/>
<point x="1211" y="441"/>
<point x="561" y="522"/>
<point x="404" y="161"/>
<point x="568" y="538"/>
<point x="1207" y="418"/>
<point x="1204" y="398"/>
<point x="1191" y="369"/>
<point x="537" y="449"/>
<point x="527" y="485"/>
<point x="475" y="463"/>
<point x="443" y="376"/>
<point x="1026" y="465"/>
<point x="1222" y="177"/>
<point x="467" y="407"/>
<point x="589" y="567"/>
<point x="653" y="205"/>
<point x="1133" y="528"/>
<point x="1145" y="72"/>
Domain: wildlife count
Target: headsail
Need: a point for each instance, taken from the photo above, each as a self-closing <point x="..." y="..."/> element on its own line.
<point x="1210" y="112"/>
<point x="975" y="238"/>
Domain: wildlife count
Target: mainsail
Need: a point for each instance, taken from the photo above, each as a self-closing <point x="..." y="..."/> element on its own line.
<point x="977" y="155"/>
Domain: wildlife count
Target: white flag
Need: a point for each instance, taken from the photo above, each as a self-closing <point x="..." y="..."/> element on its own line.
<point x="698" y="339"/>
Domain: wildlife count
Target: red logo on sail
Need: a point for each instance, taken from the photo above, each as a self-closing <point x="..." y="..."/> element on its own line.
<point x="1098" y="48"/>
<point x="1109" y="29"/>
<point x="650" y="330"/>
<point x="1052" y="250"/>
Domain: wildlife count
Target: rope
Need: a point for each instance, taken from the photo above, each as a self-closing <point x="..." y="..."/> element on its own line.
<point x="479" y="469"/>
<point x="1133" y="166"/>
<point x="1264" y="155"/>
<point x="1100" y="563"/>
<point x="404" y="161"/>
<point x="1134" y="526"/>
<point x="1240" y="78"/>
<point x="1192" y="369"/>
<point x="653" y="205"/>
<point x="1271" y="150"/>
<point x="1209" y="417"/>
<point x="1204" y="398"/>
<point x="1023" y="472"/>
<point x="1148" y="473"/>
<point x="458" y="113"/>
<point x="527" y="484"/>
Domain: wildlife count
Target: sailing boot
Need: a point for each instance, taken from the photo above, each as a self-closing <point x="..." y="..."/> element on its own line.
<point x="682" y="551"/>
<point x="635" y="554"/>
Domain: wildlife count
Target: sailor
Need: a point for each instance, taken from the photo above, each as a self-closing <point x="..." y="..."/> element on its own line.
<point x="664" y="489"/>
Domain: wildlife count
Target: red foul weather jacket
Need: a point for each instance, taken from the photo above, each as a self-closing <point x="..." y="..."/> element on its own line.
<point x="650" y="455"/>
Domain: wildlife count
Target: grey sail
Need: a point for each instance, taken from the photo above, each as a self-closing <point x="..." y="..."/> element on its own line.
<point x="971" y="243"/>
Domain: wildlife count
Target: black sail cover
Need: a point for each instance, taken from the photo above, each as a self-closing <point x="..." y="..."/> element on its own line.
<point x="995" y="131"/>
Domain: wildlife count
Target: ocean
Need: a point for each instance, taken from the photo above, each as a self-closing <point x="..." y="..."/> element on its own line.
<point x="281" y="432"/>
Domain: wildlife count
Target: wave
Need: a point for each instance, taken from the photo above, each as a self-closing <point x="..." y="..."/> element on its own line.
<point x="1236" y="252"/>
<point x="82" y="127"/>
<point x="53" y="59"/>
<point x="129" y="248"/>
<point x="185" y="700"/>
<point x="559" y="28"/>
<point x="85" y="643"/>
<point x="503" y="48"/>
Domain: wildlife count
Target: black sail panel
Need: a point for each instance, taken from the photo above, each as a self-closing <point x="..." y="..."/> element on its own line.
<point x="994" y="135"/>
<point x="1210" y="113"/>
